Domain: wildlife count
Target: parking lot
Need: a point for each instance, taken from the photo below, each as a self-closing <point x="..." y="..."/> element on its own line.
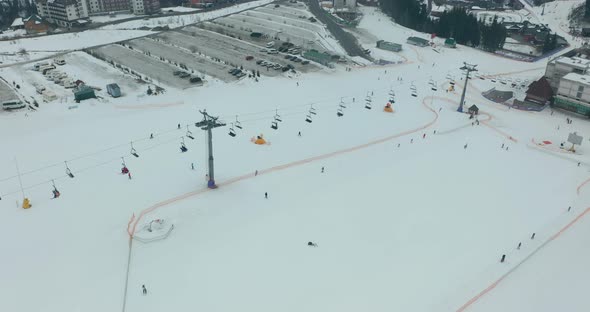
<point x="233" y="51"/>
<point x="195" y="63"/>
<point x="212" y="49"/>
<point x="160" y="72"/>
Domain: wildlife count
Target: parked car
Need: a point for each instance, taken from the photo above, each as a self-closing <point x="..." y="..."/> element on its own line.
<point x="237" y="72"/>
<point x="184" y="75"/>
<point x="39" y="89"/>
<point x="249" y="58"/>
<point x="59" y="61"/>
<point x="285" y="68"/>
<point x="305" y="62"/>
<point x="240" y="75"/>
<point x="297" y="60"/>
<point x="277" y="66"/>
<point x="176" y="72"/>
<point x="272" y="51"/>
<point x="259" y="62"/>
<point x="38" y="66"/>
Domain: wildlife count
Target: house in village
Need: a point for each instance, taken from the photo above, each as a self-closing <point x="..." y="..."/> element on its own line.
<point x="35" y="24"/>
<point x="539" y="92"/>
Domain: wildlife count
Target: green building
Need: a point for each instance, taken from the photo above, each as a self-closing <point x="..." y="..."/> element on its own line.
<point x="450" y="43"/>
<point x="390" y="46"/>
<point x="322" y="58"/>
<point x="418" y="41"/>
<point x="83" y="92"/>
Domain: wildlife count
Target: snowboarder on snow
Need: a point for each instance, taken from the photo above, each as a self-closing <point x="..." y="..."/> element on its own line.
<point x="465" y="146"/>
<point x="151" y="136"/>
<point x="312" y="244"/>
<point x="178" y="126"/>
<point x="129" y="175"/>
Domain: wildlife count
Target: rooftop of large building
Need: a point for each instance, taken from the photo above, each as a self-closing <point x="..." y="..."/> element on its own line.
<point x="582" y="79"/>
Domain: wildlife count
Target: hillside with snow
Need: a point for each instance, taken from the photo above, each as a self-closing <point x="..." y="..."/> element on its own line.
<point x="409" y="210"/>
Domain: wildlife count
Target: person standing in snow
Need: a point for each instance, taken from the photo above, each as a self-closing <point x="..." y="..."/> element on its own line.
<point x="322" y="169"/>
<point x="299" y="134"/>
<point x="129" y="175"/>
<point x="193" y="166"/>
<point x="465" y="146"/>
<point x="424" y="136"/>
<point x="143" y="290"/>
<point x="266" y="195"/>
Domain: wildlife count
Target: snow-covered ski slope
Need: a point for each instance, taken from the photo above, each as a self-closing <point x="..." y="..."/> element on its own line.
<point x="419" y="227"/>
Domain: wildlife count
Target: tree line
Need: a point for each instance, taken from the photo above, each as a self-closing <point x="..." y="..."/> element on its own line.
<point x="456" y="23"/>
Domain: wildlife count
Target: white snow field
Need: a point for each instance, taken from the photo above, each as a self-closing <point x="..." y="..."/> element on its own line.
<point x="404" y="219"/>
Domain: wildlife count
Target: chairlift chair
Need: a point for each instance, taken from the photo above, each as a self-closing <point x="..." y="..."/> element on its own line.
<point x="308" y="118"/>
<point x="133" y="151"/>
<point x="232" y="133"/>
<point x="312" y="110"/>
<point x="68" y="171"/>
<point x="238" y="124"/>
<point x="274" y="125"/>
<point x="368" y="105"/>
<point x="277" y="116"/>
<point x="189" y="134"/>
<point x="183" y="148"/>
<point x="339" y="112"/>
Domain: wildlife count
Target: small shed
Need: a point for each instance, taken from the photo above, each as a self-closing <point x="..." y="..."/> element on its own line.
<point x="473" y="110"/>
<point x="83" y="92"/>
<point x="386" y="45"/>
<point x="450" y="43"/>
<point x="114" y="90"/>
<point x="418" y="41"/>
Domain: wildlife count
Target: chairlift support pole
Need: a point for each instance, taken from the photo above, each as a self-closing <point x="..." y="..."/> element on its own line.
<point x="468" y="68"/>
<point x="208" y="123"/>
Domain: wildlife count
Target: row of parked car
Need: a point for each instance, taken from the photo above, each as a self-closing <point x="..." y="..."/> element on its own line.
<point x="296" y="59"/>
<point x="274" y="66"/>
<point x="191" y="78"/>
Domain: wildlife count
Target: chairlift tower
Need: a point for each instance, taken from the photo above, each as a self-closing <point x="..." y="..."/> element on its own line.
<point x="208" y="123"/>
<point x="468" y="68"/>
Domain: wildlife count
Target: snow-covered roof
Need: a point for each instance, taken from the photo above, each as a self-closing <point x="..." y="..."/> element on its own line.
<point x="581" y="79"/>
<point x="17" y="22"/>
<point x="575" y="62"/>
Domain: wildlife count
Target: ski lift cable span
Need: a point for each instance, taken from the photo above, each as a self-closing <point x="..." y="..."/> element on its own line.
<point x="81" y="170"/>
<point x="323" y="103"/>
